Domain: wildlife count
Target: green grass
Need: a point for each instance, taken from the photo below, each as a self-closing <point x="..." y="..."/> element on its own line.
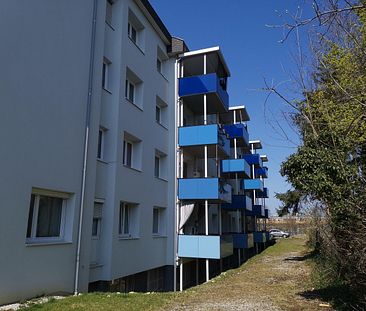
<point x="107" y="301"/>
<point x="250" y="278"/>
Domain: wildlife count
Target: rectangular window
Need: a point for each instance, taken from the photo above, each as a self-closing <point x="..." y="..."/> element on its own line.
<point x="127" y="153"/>
<point x="109" y="12"/>
<point x="130" y="91"/>
<point x="97" y="219"/>
<point x="159" y="65"/>
<point x="101" y="136"/>
<point x="132" y="33"/>
<point x="106" y="74"/>
<point x="46" y="218"/>
<point x="158" y="221"/>
<point x="127" y="224"/>
<point x="157" y="166"/>
<point x="158" y="114"/>
<point x="160" y="165"/>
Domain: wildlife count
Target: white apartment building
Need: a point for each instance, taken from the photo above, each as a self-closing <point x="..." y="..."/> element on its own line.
<point x="87" y="167"/>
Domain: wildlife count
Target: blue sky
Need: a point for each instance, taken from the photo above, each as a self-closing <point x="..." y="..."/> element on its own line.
<point x="253" y="53"/>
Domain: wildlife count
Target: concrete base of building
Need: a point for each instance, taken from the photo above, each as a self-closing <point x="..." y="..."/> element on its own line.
<point x="154" y="280"/>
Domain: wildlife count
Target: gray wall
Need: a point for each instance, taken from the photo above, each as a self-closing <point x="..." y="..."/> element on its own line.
<point x="44" y="61"/>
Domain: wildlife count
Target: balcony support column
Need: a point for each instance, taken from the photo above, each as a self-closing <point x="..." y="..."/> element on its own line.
<point x="181" y="275"/>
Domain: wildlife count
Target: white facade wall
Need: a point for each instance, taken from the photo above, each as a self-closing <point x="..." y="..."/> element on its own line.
<point x="45" y="59"/>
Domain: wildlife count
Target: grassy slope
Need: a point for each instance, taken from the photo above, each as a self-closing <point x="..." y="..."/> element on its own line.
<point x="265" y="277"/>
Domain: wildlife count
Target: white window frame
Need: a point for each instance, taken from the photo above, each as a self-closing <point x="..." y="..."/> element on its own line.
<point x="159" y="166"/>
<point x="33" y="233"/>
<point x="128" y="90"/>
<point x="159" y="68"/>
<point x="124" y="209"/>
<point x="161" y="226"/>
<point x="158" y="119"/>
<point x="101" y="142"/>
<point x="105" y="74"/>
<point x="130" y="28"/>
<point x="98" y="218"/>
<point x="109" y="12"/>
<point x="125" y="143"/>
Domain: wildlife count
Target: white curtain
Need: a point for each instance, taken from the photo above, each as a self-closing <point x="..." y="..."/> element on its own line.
<point x="185" y="212"/>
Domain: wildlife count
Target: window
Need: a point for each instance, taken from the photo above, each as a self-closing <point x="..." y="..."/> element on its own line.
<point x="47" y="215"/>
<point x="130" y="91"/>
<point x="101" y="138"/>
<point x="135" y="31"/>
<point x="106" y="74"/>
<point x="132" y="33"/>
<point x="160" y="163"/>
<point x="127" y="153"/>
<point x="133" y="89"/>
<point x="161" y="112"/>
<point x="158" y="221"/>
<point x="161" y="58"/>
<point x="128" y="224"/>
<point x="158" y="114"/>
<point x="159" y="65"/>
<point x="109" y="12"/>
<point x="97" y="218"/>
<point x="157" y="166"/>
<point x="132" y="151"/>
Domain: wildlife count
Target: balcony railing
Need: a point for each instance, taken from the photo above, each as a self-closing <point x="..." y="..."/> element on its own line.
<point x="205" y="246"/>
<point x="261" y="172"/>
<point x="253" y="159"/>
<point x="201" y="135"/>
<point x="252" y="184"/>
<point x="218" y="101"/>
<point x="263" y="194"/>
<point x="260" y="237"/>
<point x="204" y="189"/>
<point x="238" y="202"/>
<point x="238" y="131"/>
<point x="239" y="166"/>
<point x="243" y="240"/>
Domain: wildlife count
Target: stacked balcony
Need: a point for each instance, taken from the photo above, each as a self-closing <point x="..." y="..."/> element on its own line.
<point x="202" y="143"/>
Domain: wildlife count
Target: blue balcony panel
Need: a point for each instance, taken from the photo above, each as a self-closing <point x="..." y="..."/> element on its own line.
<point x="238" y="202"/>
<point x="218" y="98"/>
<point x="201" y="135"/>
<point x="205" y="246"/>
<point x="238" y="166"/>
<point x="260" y="237"/>
<point x="263" y="194"/>
<point x="204" y="189"/>
<point x="261" y="172"/>
<point x="253" y="159"/>
<point x="238" y="131"/>
<point x="252" y="184"/>
<point x="266" y="213"/>
<point x="243" y="240"/>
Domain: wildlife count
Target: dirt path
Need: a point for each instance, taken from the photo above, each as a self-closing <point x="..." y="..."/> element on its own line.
<point x="271" y="281"/>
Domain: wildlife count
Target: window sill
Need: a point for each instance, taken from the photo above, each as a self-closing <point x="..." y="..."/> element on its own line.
<point x="135" y="44"/>
<point x="110" y="26"/>
<point x="102" y="161"/>
<point x="159" y="236"/>
<point x="108" y="91"/>
<point x="162" y="125"/>
<point x="132" y="168"/>
<point x="162" y="179"/>
<point x="46" y="243"/>
<point x="137" y="106"/>
<point x="164" y="77"/>
<point x="122" y="237"/>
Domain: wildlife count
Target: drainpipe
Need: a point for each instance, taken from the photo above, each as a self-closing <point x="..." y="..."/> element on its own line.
<point x="86" y="146"/>
<point x="177" y="111"/>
